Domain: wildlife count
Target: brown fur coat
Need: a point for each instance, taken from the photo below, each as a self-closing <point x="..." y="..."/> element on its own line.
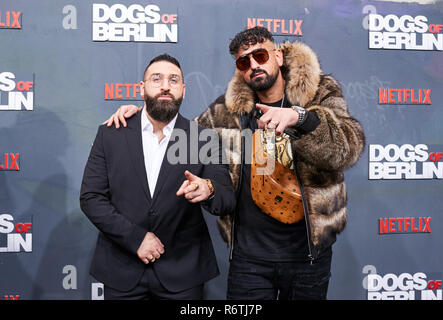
<point x="322" y="155"/>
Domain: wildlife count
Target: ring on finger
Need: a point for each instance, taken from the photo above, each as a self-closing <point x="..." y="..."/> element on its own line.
<point x="196" y="186"/>
<point x="271" y="125"/>
<point x="274" y="123"/>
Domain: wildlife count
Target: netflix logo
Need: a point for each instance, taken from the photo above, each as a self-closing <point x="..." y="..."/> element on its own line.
<point x="280" y="27"/>
<point x="404" y="225"/>
<point x="123" y="91"/>
<point x="10" y="162"/>
<point x="404" y="96"/>
<point x="10" y="20"/>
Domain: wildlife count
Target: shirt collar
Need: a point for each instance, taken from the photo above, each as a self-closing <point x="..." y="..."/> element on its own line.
<point x="147" y="125"/>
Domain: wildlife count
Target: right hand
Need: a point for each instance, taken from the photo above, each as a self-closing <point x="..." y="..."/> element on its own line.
<point x="125" y="111"/>
<point x="150" y="249"/>
<point x="194" y="188"/>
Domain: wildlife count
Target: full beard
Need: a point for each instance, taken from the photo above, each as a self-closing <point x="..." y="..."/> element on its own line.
<point x="260" y="84"/>
<point x="162" y="111"/>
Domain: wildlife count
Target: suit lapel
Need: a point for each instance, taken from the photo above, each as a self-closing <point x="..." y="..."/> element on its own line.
<point x="167" y="167"/>
<point x="135" y="145"/>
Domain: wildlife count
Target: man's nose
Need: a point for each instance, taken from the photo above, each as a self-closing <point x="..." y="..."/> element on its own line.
<point x="254" y="64"/>
<point x="165" y="84"/>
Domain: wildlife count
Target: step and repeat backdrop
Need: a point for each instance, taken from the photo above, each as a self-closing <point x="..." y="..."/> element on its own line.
<point x="66" y="66"/>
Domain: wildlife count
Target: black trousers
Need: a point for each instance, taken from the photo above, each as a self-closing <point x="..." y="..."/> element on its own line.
<point x="150" y="288"/>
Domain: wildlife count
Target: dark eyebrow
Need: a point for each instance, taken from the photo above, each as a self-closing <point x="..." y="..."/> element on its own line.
<point x="161" y="74"/>
<point x="247" y="54"/>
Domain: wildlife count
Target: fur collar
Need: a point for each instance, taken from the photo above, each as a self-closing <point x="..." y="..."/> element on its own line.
<point x="300" y="69"/>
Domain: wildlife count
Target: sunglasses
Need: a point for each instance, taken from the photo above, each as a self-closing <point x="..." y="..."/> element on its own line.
<point x="261" y="55"/>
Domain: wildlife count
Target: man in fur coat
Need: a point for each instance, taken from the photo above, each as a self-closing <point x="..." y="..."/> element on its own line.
<point x="286" y="86"/>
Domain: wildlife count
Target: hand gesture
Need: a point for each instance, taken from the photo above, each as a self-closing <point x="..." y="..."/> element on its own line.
<point x="277" y="118"/>
<point x="194" y="188"/>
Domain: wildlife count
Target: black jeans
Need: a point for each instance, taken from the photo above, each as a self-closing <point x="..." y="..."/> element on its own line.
<point x="251" y="279"/>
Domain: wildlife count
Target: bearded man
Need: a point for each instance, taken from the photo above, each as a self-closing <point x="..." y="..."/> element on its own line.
<point x="153" y="241"/>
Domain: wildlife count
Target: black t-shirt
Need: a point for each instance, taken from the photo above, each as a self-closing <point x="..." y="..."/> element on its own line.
<point x="260" y="236"/>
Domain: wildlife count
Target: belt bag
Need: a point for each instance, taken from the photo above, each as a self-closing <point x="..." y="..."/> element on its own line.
<point x="274" y="185"/>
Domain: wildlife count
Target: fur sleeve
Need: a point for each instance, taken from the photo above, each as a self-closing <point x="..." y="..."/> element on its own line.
<point x="337" y="143"/>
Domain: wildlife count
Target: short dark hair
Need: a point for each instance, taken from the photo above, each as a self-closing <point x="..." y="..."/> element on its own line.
<point x="250" y="37"/>
<point x="164" y="57"/>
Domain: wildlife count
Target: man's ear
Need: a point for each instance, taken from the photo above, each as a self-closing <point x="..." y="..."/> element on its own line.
<point x="279" y="57"/>
<point x="142" y="89"/>
<point x="184" y="91"/>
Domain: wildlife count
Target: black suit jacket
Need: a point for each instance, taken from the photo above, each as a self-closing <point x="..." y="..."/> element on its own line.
<point x="115" y="196"/>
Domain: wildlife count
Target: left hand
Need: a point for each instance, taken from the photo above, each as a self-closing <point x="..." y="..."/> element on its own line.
<point x="277" y="118"/>
<point x="119" y="117"/>
<point x="194" y="188"/>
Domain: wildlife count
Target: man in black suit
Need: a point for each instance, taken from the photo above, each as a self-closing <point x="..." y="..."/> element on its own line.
<point x="153" y="240"/>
